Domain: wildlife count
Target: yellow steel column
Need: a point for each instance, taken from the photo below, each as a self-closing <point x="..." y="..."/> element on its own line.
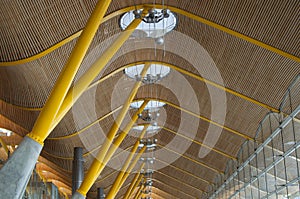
<point x="118" y="180"/>
<point x="139" y="192"/>
<point x="123" y="176"/>
<point x="4" y="145"/>
<point x="102" y="158"/>
<point x="120" y="138"/>
<point x="41" y="127"/>
<point x="93" y="71"/>
<point x="136" y="180"/>
<point x="99" y="163"/>
<point x="121" y="116"/>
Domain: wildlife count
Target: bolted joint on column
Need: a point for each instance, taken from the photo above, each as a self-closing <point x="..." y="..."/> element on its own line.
<point x="36" y="138"/>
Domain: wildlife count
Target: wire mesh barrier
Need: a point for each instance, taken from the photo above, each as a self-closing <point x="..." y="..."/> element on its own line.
<point x="269" y="166"/>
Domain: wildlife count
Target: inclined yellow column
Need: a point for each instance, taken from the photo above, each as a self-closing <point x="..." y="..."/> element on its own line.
<point x="115" y="187"/>
<point x="98" y="164"/>
<point x="101" y="159"/>
<point x="123" y="176"/>
<point x="139" y="192"/>
<point x="42" y="126"/>
<point x="87" y="78"/>
<point x="136" y="180"/>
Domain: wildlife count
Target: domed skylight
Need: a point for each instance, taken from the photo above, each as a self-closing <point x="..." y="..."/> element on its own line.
<point x="155" y="72"/>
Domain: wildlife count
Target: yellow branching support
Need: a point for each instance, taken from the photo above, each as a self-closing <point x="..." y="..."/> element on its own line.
<point x="139" y="192"/>
<point x="42" y="126"/>
<point x="135" y="182"/>
<point x="123" y="176"/>
<point x="102" y="158"/>
<point x="120" y="178"/>
<point x="86" y="79"/>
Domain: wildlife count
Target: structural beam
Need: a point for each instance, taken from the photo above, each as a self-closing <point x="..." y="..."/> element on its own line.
<point x="183" y="71"/>
<point x="185" y="172"/>
<point x="139" y="192"/>
<point x="104" y="156"/>
<point x="171" y="131"/>
<point x="42" y="126"/>
<point x="125" y="176"/>
<point x="118" y="182"/>
<point x="15" y="174"/>
<point x="187" y="111"/>
<point x="136" y="180"/>
<point x="199" y="143"/>
<point x="173" y="188"/>
<point x="208" y="120"/>
<point x="179" y="181"/>
<point x="174" y="9"/>
<point x="99" y="162"/>
<point x="203" y="80"/>
<point x="87" y="78"/>
<point x="86" y="127"/>
<point x="195" y="161"/>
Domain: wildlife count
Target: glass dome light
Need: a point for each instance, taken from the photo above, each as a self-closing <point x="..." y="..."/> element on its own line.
<point x="152" y="104"/>
<point x="155" y="24"/>
<point x="155" y="73"/>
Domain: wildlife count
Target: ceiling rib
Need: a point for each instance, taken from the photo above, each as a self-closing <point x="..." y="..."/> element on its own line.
<point x="177" y="180"/>
<point x="195" y="161"/>
<point x="199" y="143"/>
<point x="87" y="127"/>
<point x="174" y="9"/>
<point x="184" y="171"/>
<point x="175" y="106"/>
<point x="173" y="188"/>
<point x="183" y="71"/>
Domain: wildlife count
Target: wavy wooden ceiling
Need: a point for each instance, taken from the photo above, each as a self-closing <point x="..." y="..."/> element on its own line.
<point x="30" y="27"/>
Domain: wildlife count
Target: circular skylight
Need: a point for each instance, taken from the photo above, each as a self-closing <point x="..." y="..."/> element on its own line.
<point x="152" y="104"/>
<point x="155" y="24"/>
<point x="155" y="72"/>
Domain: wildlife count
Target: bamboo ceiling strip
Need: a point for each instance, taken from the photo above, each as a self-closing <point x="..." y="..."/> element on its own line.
<point x="283" y="78"/>
<point x="161" y="196"/>
<point x="171" y="189"/>
<point x="174" y="180"/>
<point x="162" y="193"/>
<point x="195" y="176"/>
<point x="174" y="122"/>
<point x="219" y="17"/>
